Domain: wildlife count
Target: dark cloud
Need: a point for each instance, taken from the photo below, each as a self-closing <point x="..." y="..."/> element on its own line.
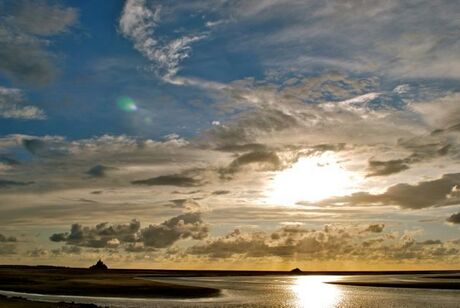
<point x="378" y="168"/>
<point x="132" y="237"/>
<point x="35" y="146"/>
<point x="269" y="158"/>
<point x="220" y="192"/>
<point x="7" y="183"/>
<point x="169" y="180"/>
<point x="439" y="192"/>
<point x="9" y="161"/>
<point x="45" y="148"/>
<point x="42" y="18"/>
<point x="98" y="171"/>
<point x="422" y="152"/>
<point x="377" y="228"/>
<point x="23" y="50"/>
<point x="431" y="242"/>
<point x="6" y="239"/>
<point x="101" y="236"/>
<point x="454" y="218"/>
<point x="188" y="225"/>
<point x="266" y="161"/>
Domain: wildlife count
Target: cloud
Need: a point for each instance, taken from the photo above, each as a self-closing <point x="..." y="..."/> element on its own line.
<point x="379" y="168"/>
<point x="134" y="238"/>
<point x="7" y="249"/>
<point x="102" y="235"/>
<point x="454" y="218"/>
<point x="267" y="161"/>
<point x="42" y="18"/>
<point x="45" y="147"/>
<point x="434" y="193"/>
<point x="12" y="107"/>
<point x="9" y="161"/>
<point x="220" y="192"/>
<point x="190" y="205"/>
<point x="23" y="49"/>
<point x="376" y="228"/>
<point x="188" y="225"/>
<point x="8" y="183"/>
<point x="6" y="239"/>
<point x="169" y="180"/>
<point x="98" y="171"/>
<point x="138" y="23"/>
<point x="332" y="243"/>
<point x="7" y="245"/>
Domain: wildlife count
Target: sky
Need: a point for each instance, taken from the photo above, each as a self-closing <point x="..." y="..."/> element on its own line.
<point x="228" y="134"/>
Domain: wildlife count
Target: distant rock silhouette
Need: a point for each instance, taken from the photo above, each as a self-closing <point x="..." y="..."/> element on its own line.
<point x="296" y="271"/>
<point x="99" y="266"/>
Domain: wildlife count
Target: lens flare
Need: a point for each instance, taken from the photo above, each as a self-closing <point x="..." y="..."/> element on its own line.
<point x="126" y="104"/>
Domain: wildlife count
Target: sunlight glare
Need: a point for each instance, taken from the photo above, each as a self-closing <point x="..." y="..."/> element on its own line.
<point x="313" y="292"/>
<point x="311" y="179"/>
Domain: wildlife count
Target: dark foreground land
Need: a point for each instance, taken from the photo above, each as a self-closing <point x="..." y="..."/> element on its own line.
<point x="18" y="302"/>
<point x="84" y="282"/>
<point x="130" y="283"/>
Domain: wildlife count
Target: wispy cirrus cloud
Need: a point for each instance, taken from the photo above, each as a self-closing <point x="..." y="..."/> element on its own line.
<point x="138" y="22"/>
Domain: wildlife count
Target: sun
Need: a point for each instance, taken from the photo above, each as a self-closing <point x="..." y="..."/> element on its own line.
<point x="311" y="179"/>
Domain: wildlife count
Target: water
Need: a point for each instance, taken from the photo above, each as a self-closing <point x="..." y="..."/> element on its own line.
<point x="285" y="291"/>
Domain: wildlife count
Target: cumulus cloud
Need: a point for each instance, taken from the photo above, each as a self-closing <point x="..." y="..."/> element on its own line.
<point x="6" y="239"/>
<point x="12" y="106"/>
<point x="454" y="218"/>
<point x="134" y="238"/>
<point x="376" y="228"/>
<point x="102" y="235"/>
<point x="333" y="242"/>
<point x="188" y="225"/>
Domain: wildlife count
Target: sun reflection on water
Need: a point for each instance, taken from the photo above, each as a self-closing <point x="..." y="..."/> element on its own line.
<point x="313" y="292"/>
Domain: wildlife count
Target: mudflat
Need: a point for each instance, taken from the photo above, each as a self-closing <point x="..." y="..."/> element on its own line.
<point x="84" y="282"/>
<point x="18" y="302"/>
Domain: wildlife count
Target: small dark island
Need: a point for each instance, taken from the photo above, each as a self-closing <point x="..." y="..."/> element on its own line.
<point x="99" y="266"/>
<point x="296" y="271"/>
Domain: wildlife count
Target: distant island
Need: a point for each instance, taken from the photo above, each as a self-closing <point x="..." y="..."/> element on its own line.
<point x="296" y="271"/>
<point x="99" y="266"/>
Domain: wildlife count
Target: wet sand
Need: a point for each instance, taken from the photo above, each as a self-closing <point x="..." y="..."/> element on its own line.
<point x="83" y="282"/>
<point x="18" y="302"/>
<point x="409" y="285"/>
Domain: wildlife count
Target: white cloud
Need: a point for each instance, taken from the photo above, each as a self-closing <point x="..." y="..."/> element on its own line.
<point x="138" y="22"/>
<point x="12" y="106"/>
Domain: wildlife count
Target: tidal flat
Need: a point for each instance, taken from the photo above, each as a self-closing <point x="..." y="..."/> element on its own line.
<point x="84" y="282"/>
